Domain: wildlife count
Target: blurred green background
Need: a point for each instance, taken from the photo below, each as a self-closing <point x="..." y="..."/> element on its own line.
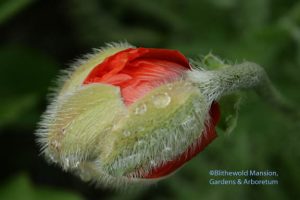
<point x="38" y="38"/>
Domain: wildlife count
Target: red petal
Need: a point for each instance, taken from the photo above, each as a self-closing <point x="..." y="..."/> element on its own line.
<point x="137" y="71"/>
<point x="204" y="140"/>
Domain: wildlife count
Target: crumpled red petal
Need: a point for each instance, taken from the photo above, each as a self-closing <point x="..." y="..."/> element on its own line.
<point x="138" y="70"/>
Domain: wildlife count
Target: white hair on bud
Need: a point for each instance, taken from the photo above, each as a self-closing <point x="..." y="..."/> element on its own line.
<point x="55" y="96"/>
<point x="66" y="74"/>
<point x="153" y="149"/>
<point x="216" y="83"/>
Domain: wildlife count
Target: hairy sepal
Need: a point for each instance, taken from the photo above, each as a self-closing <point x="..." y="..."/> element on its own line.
<point x="73" y="77"/>
<point x="140" y="142"/>
<point x="79" y="121"/>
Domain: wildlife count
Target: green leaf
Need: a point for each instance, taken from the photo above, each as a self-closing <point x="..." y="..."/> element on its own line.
<point x="9" y="8"/>
<point x="25" y="75"/>
<point x="20" y="188"/>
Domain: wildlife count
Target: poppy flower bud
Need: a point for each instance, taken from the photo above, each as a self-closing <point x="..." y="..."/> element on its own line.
<point x="135" y="115"/>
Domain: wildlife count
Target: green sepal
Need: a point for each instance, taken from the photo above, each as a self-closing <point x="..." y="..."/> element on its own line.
<point x="212" y="62"/>
<point x="229" y="104"/>
<point x="229" y="112"/>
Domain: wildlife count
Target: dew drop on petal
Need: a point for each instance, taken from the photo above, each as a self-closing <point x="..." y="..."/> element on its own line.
<point x="161" y="100"/>
<point x="140" y="109"/>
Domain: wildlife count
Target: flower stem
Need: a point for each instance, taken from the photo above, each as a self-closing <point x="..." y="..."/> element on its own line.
<point x="228" y="79"/>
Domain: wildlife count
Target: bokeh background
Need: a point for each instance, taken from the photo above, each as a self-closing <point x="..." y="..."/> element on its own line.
<point x="39" y="38"/>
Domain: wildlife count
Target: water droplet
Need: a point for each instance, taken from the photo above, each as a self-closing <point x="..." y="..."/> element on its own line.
<point x="126" y="133"/>
<point x="140" y="109"/>
<point x="161" y="100"/>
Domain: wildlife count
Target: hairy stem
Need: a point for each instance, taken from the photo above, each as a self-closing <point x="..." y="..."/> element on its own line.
<point x="217" y="83"/>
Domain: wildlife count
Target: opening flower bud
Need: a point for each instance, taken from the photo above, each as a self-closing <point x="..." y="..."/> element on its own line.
<point x="128" y="115"/>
